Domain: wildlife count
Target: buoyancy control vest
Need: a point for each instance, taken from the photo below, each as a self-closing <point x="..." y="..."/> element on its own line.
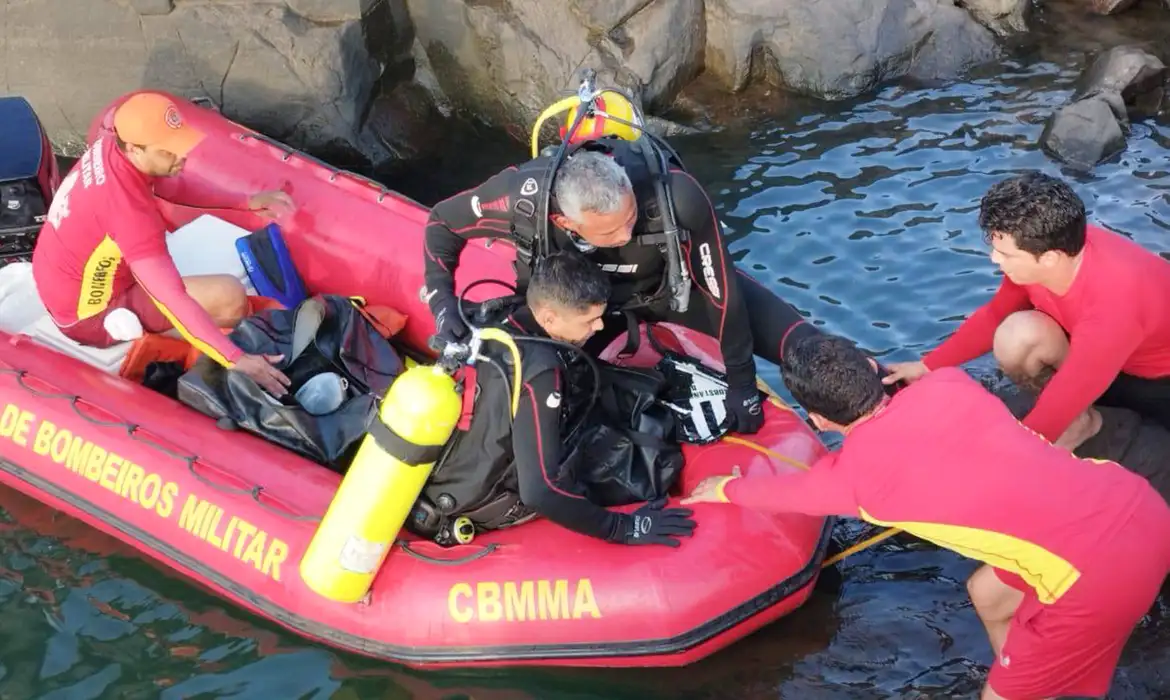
<point x="638" y="270"/>
<point x="476" y="477"/>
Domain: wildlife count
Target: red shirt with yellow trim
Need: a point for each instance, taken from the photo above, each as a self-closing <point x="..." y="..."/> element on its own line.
<point x="104" y="233"/>
<point x="1117" y="315"/>
<point x="946" y="461"/>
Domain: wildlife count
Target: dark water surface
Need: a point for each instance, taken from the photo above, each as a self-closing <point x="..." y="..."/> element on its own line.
<point x="863" y="216"/>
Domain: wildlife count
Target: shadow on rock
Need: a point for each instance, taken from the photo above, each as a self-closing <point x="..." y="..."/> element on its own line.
<point x="1121" y="84"/>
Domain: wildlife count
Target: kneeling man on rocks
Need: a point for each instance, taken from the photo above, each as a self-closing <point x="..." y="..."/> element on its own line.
<point x="1074" y="551"/>
<point x="1085" y="306"/>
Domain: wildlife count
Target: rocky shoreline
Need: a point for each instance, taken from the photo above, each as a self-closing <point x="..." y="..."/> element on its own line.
<point x="368" y="83"/>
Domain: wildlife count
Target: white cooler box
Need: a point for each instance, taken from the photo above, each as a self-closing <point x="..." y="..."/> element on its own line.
<point x="205" y="246"/>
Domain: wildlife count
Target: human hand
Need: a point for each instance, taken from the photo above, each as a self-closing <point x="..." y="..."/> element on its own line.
<point x="909" y="372"/>
<point x="651" y="524"/>
<point x="273" y="204"/>
<point x="710" y="490"/>
<point x="260" y="370"/>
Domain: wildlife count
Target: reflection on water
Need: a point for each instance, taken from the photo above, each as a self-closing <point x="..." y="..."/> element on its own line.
<point x="863" y="216"/>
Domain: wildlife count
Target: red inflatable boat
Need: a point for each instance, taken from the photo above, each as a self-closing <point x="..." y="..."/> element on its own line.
<point x="236" y="513"/>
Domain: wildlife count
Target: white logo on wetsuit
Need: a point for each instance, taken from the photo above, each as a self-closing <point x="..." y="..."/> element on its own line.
<point x="709" y="270"/>
<point x="554" y="400"/>
<point x="475" y="206"/>
<point x="624" y="269"/>
<point x="529" y="187"/>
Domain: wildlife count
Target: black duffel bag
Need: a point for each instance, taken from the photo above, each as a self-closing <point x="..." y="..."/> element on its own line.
<point x="627" y="450"/>
<point x="325" y="333"/>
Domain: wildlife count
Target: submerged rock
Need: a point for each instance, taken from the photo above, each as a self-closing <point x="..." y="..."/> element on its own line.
<point x="1086" y="132"/>
<point x="1121" y="84"/>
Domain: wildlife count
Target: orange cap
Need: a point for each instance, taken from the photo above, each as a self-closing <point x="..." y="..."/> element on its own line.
<point x="150" y="119"/>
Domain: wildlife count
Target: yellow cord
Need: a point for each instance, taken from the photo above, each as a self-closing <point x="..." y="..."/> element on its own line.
<point x="501" y="337"/>
<point x="858" y="546"/>
<point x="555" y="108"/>
<point x="855" y="548"/>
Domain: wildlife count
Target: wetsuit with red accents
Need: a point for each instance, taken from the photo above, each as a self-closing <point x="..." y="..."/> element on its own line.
<point x="1117" y="316"/>
<point x="1089" y="542"/>
<point x="103" y="246"/>
<point x="500" y="459"/>
<point x="721" y="294"/>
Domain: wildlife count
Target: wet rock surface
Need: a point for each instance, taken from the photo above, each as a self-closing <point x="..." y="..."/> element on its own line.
<point x="1135" y="74"/>
<point x="1120" y="84"/>
<point x="1004" y="17"/>
<point x="1086" y="132"/>
<point x="369" y="82"/>
<point x="304" y="71"/>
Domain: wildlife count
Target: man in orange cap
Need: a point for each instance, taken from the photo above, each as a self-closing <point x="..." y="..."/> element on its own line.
<point x="101" y="260"/>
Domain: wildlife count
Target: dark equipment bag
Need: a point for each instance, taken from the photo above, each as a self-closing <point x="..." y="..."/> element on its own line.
<point x="628" y="449"/>
<point x="324" y="333"/>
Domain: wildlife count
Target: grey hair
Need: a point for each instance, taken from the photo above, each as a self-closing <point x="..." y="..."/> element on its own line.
<point x="590" y="182"/>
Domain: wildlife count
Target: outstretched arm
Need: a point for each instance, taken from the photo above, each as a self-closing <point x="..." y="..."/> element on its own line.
<point x="974" y="336"/>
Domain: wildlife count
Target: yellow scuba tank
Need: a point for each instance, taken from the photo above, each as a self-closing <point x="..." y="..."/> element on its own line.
<point x="393" y="462"/>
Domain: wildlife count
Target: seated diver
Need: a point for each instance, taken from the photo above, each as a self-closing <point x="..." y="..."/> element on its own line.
<point x="501" y="470"/>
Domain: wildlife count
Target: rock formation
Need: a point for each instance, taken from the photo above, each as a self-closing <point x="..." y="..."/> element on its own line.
<point x="1121" y="84"/>
<point x="508" y="59"/>
<point x="304" y="71"/>
<point x="366" y="82"/>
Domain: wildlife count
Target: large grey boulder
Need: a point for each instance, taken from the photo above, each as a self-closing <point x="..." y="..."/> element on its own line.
<point x="1134" y="73"/>
<point x="1120" y="84"/>
<point x="303" y="71"/>
<point x="839" y="49"/>
<point x="1086" y="132"/>
<point x="508" y="60"/>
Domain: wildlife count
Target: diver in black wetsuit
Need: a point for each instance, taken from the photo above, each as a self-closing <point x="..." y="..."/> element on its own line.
<point x="503" y="469"/>
<point x="619" y="198"/>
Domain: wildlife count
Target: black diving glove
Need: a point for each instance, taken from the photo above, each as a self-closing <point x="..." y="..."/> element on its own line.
<point x="650" y="524"/>
<point x="745" y="408"/>
<point x="449" y="328"/>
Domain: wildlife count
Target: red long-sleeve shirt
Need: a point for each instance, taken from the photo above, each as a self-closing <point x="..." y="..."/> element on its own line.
<point x="946" y="461"/>
<point x="1117" y="316"/>
<point x="104" y="232"/>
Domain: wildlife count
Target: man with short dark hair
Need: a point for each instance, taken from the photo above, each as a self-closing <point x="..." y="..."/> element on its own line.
<point x="1088" y="306"/>
<point x="503" y="469"/>
<point x="1074" y="551"/>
